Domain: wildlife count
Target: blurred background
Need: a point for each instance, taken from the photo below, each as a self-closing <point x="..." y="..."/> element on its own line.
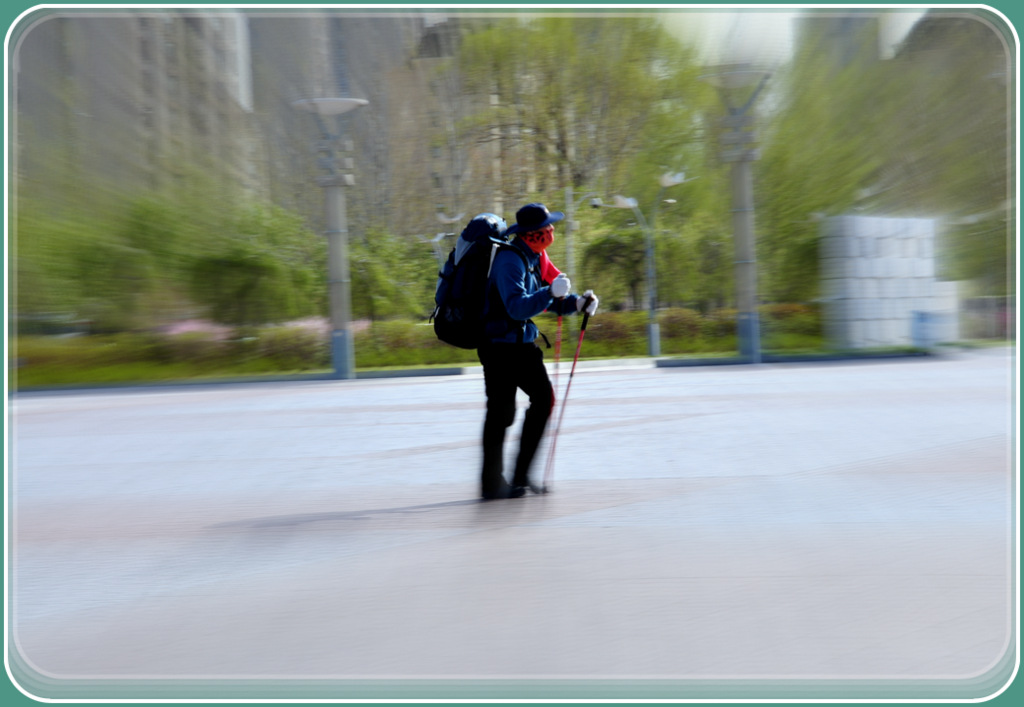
<point x="735" y="182"/>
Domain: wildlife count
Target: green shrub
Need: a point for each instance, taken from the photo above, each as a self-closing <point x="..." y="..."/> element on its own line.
<point x="85" y="359"/>
<point x="190" y="347"/>
<point x="617" y="326"/>
<point x="681" y="323"/>
<point x="383" y="344"/>
<point x="293" y="348"/>
<point x="615" y="334"/>
<point x="677" y="346"/>
<point x="782" y="341"/>
<point x="719" y="323"/>
<point x="47" y="351"/>
<point x="406" y="343"/>
<point x="792" y="318"/>
<point x="401" y="334"/>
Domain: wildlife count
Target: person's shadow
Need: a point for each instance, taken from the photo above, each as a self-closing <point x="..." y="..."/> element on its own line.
<point x="308" y="518"/>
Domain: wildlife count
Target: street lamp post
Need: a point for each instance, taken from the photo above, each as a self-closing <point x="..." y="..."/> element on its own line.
<point x="653" y="331"/>
<point x="338" y="279"/>
<point x="736" y="83"/>
<point x="622" y="202"/>
<point x="570" y="227"/>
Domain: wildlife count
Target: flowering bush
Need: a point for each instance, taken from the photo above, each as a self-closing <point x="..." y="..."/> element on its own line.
<point x="792" y="318"/>
<point x="681" y="323"/>
<point x="295" y="346"/>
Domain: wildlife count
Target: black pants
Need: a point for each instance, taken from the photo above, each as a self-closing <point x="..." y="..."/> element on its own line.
<point x="508" y="367"/>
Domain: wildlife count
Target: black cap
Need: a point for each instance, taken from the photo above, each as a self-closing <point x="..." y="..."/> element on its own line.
<point x="533" y="217"/>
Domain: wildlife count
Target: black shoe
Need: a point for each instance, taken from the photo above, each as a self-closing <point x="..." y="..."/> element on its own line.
<point x="539" y="490"/>
<point x="504" y="492"/>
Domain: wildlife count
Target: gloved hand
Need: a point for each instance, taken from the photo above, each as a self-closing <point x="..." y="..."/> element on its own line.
<point x="588" y="299"/>
<point x="560" y="287"/>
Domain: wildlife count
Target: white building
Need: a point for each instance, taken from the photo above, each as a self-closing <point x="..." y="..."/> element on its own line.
<point x="881" y="284"/>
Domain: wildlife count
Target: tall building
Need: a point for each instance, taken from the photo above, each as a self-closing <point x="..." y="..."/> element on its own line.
<point x="112" y="103"/>
<point x="196" y="95"/>
<point x="324" y="54"/>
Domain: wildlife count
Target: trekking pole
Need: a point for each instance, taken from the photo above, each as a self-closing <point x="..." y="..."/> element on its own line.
<point x="558" y="355"/>
<point x="561" y="413"/>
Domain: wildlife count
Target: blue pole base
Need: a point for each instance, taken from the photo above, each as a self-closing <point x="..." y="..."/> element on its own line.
<point x="342" y="354"/>
<point x="653" y="339"/>
<point x="748" y="332"/>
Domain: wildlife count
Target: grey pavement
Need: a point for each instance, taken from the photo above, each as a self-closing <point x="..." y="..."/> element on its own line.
<point x="842" y="529"/>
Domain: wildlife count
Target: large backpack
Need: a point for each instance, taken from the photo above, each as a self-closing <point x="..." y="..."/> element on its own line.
<point x="462" y="284"/>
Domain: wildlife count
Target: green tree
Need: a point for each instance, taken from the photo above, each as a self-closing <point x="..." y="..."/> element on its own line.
<point x="614" y="265"/>
<point x="596" y="105"/>
<point x="243" y="286"/>
<point x="923" y="134"/>
<point x="576" y="95"/>
<point x="948" y="144"/>
<point x="391" y="277"/>
<point x="714" y="277"/>
<point x="267" y="268"/>
<point x="83" y="266"/>
<point x="820" y="152"/>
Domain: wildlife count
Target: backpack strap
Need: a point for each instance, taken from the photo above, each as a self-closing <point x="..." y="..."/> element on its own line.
<point x="495" y="247"/>
<point x="492" y="291"/>
<point x="494" y="252"/>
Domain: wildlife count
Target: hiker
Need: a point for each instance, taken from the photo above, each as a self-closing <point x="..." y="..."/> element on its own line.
<point x="509" y="352"/>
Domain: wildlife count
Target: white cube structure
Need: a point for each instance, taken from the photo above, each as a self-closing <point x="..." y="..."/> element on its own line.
<point x="880" y="284"/>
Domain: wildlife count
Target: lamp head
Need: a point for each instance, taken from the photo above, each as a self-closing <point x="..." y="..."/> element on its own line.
<point x="670" y="179"/>
<point x="737" y="84"/>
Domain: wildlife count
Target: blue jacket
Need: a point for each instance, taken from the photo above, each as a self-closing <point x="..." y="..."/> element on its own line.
<point x="516" y="293"/>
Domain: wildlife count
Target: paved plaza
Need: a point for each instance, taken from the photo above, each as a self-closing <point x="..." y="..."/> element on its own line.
<point x="840" y="529"/>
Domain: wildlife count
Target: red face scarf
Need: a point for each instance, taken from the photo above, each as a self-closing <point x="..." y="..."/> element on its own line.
<point x="540" y="240"/>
